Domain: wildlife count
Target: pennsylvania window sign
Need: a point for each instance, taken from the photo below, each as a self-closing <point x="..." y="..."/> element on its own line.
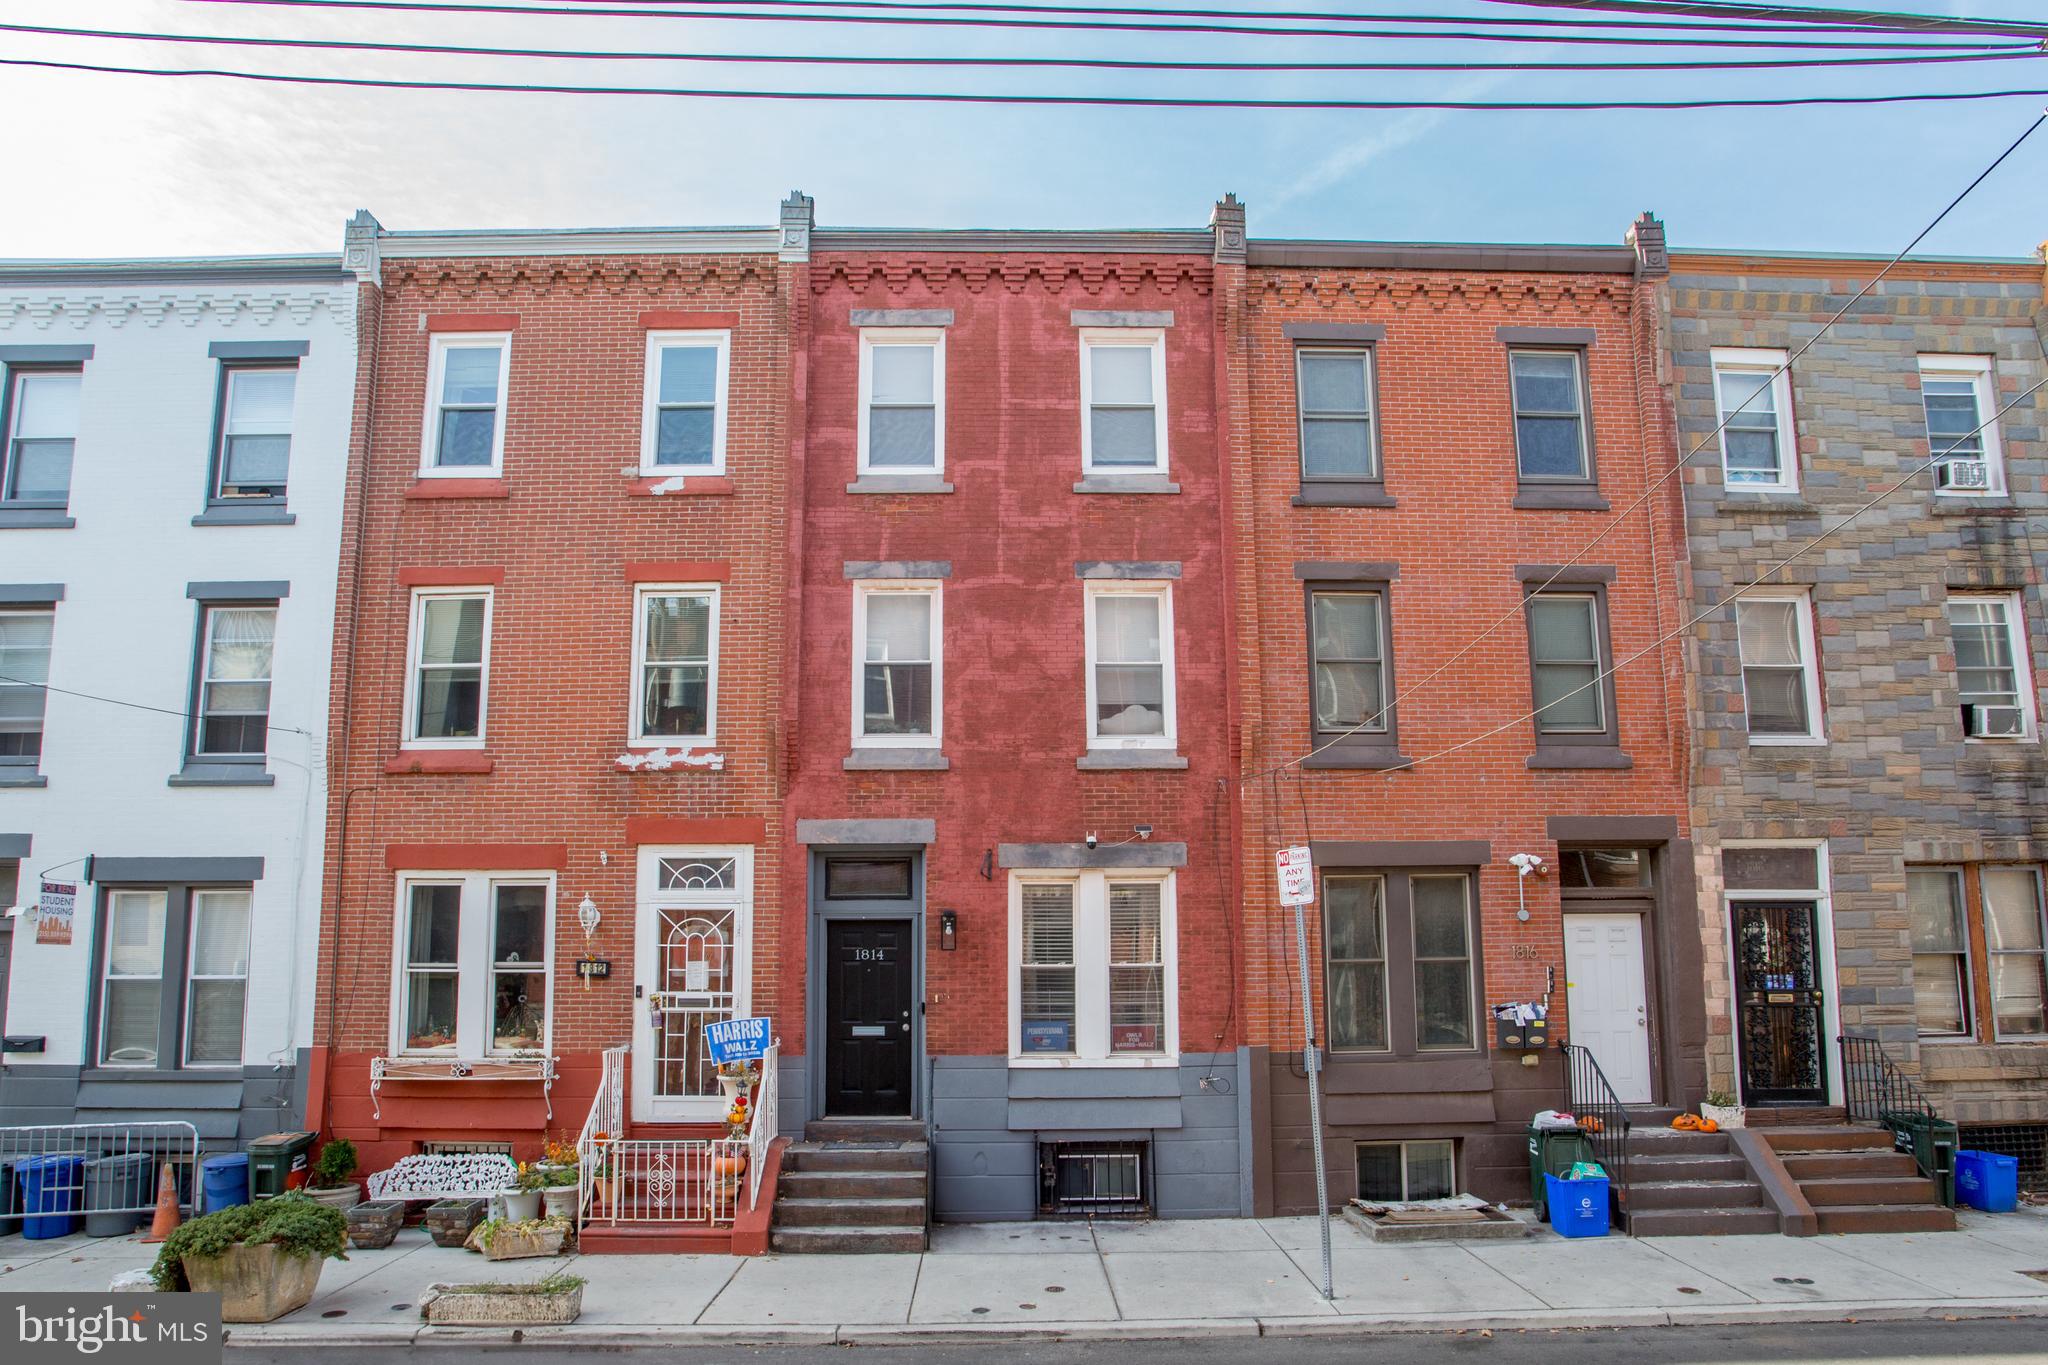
<point x="110" y="1329"/>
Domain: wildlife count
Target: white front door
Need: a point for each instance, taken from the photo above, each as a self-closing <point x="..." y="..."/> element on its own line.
<point x="692" y="966"/>
<point x="1609" y="1014"/>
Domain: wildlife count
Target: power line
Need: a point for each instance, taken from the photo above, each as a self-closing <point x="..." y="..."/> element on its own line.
<point x="1890" y="20"/>
<point x="1085" y="63"/>
<point x="1056" y="101"/>
<point x="1616" y="521"/>
<point x="134" y="705"/>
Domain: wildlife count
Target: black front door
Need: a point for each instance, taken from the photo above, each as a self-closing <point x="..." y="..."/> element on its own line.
<point x="1780" y="1024"/>
<point x="869" y="1033"/>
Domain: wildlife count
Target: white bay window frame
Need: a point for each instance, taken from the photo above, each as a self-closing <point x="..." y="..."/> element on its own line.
<point x="1093" y="1044"/>
<point x="718" y="340"/>
<point x="637" y="716"/>
<point x="1162" y="593"/>
<point x="475" y="982"/>
<point x="866" y="593"/>
<point x="1154" y="338"/>
<point x="439" y="344"/>
<point x="416" y="643"/>
<point x="872" y="337"/>
<point x="1771" y="365"/>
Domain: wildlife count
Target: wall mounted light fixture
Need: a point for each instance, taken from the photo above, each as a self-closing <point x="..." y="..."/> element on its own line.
<point x="587" y="916"/>
<point x="949" y="931"/>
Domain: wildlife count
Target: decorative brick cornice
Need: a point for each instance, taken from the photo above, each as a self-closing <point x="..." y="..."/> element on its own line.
<point x="655" y="277"/>
<point x="1106" y="275"/>
<point x="1533" y="294"/>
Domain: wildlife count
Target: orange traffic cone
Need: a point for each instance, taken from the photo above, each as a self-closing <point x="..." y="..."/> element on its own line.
<point x="167" y="1218"/>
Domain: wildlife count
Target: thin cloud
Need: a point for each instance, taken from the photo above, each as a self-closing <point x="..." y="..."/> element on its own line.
<point x="1355" y="156"/>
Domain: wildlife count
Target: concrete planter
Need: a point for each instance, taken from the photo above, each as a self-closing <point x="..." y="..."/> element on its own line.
<point x="375" y="1224"/>
<point x="255" y="1283"/>
<point x="515" y="1242"/>
<point x="477" y="1305"/>
<point x="450" y="1221"/>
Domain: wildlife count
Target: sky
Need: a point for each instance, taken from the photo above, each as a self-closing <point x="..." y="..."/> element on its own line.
<point x="115" y="165"/>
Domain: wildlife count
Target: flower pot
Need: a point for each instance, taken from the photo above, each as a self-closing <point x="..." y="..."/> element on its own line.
<point x="559" y="1201"/>
<point x="255" y="1283"/>
<point x="731" y="1164"/>
<point x="732" y="1086"/>
<point x="449" y="1220"/>
<point x="522" y="1206"/>
<point x="1726" y="1115"/>
<point x="375" y="1224"/>
<point x="600" y="1194"/>
<point x="462" y="1305"/>
<point x="343" y="1197"/>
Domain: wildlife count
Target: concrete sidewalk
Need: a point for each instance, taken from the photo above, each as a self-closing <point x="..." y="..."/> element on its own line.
<point x="1157" y="1279"/>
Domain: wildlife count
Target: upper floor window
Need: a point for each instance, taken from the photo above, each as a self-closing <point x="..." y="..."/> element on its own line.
<point x="1334" y="387"/>
<point x="1566" y="652"/>
<point x="898" y="676"/>
<point x="1348" y="638"/>
<point x="465" y="433"/>
<point x="24" y="680"/>
<point x="1758" y="447"/>
<point x="42" y="430"/>
<point x="902" y="400"/>
<point x="256" y="431"/>
<point x="1550" y="415"/>
<point x="1130" y="667"/>
<point x="1961" y="403"/>
<point x="683" y="426"/>
<point x="1123" y="401"/>
<point x="1991" y="666"/>
<point x="234" y="681"/>
<point x="1091" y="960"/>
<point x="675" y="657"/>
<point x="449" y="667"/>
<point x="1780" y="674"/>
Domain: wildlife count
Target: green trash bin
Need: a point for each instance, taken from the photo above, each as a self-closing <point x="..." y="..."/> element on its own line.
<point x="278" y="1163"/>
<point x="1932" y="1142"/>
<point x="1553" y="1151"/>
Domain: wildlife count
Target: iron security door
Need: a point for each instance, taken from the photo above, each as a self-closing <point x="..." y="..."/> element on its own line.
<point x="1778" y="1003"/>
<point x="868" y="1024"/>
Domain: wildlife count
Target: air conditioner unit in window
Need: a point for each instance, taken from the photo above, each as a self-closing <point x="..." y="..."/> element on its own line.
<point x="1974" y="475"/>
<point x="1995" y="722"/>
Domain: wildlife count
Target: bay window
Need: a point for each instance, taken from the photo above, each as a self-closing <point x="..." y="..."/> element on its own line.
<point x="1092" y="967"/>
<point x="473" y="964"/>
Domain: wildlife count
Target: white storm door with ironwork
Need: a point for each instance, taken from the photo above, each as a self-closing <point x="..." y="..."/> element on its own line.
<point x="693" y="964"/>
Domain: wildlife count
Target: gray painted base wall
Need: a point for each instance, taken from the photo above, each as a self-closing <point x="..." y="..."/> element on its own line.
<point x="229" y="1110"/>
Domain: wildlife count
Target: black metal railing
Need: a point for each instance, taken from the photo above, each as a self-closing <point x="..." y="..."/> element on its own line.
<point x="1602" y="1117"/>
<point x="1874" y="1086"/>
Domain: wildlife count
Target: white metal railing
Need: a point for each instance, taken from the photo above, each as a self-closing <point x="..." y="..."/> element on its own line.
<point x="601" y="1130"/>
<point x="683" y="1180"/>
<point x="97" y="1167"/>
<point x="761" y="1124"/>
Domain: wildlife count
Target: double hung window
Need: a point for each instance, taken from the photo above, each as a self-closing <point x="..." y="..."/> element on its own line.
<point x="1347" y="637"/>
<point x="1997" y="691"/>
<point x="1960" y="399"/>
<point x="902" y="400"/>
<point x="174" y="975"/>
<point x="898" y="680"/>
<point x="1130" y="667"/>
<point x="675" y="665"/>
<point x="24" y="678"/>
<point x="1334" y="391"/>
<point x="1549" y="389"/>
<point x="449" y="668"/>
<point x="1399" y="962"/>
<point x="465" y="431"/>
<point x="1123" y="401"/>
<point x="683" y="425"/>
<point x="254" y="460"/>
<point x="1758" y="448"/>
<point x="41" y="434"/>
<point x="1566" y="650"/>
<point x="1980" y="957"/>
<point x="236" y="652"/>
<point x="1780" y="674"/>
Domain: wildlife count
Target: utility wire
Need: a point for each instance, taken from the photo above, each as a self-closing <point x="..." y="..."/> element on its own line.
<point x="1616" y="521"/>
<point x="136" y="705"/>
<point x="1890" y="20"/>
<point x="1086" y="63"/>
<point x="1061" y="101"/>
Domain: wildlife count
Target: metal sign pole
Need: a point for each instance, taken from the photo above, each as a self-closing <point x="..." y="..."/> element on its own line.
<point x="1314" y="1064"/>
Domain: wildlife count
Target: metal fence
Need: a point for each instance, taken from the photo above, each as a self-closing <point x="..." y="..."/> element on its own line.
<point x="88" y="1168"/>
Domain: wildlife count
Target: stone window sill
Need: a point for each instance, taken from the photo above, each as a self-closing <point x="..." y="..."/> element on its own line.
<point x="1366" y="756"/>
<point x="438" y="489"/>
<point x="245" y="514"/>
<point x="1579" y="756"/>
<point x="896" y="760"/>
<point x="1126" y="483"/>
<point x="35" y="519"/>
<point x="1335" y="493"/>
<point x="2000" y="505"/>
<point x="899" y="483"/>
<point x="201" y="773"/>
<point x="22" y="777"/>
<point x="1560" y="497"/>
<point x="1761" y="505"/>
<point x="681" y="485"/>
<point x="1113" y="760"/>
<point x="429" y="762"/>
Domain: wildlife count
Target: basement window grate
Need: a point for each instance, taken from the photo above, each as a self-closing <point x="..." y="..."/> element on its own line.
<point x="466" y="1149"/>
<point x="2027" y="1142"/>
<point x="1094" y="1179"/>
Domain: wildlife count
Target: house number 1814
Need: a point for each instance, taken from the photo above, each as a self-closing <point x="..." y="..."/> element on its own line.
<point x="870" y="954"/>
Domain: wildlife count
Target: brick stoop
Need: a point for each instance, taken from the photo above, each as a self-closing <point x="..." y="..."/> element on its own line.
<point x="1857" y="1183"/>
<point x="853" y="1185"/>
<point x="1684" y="1184"/>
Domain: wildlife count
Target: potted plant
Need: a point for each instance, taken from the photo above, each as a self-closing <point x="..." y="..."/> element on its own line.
<point x="522" y="1201"/>
<point x="262" y="1259"/>
<point x="1722" y="1108"/>
<point x="332" y="1180"/>
<point x="558" y="1194"/>
<point x="556" y="1299"/>
<point x="375" y="1223"/>
<point x="510" y="1240"/>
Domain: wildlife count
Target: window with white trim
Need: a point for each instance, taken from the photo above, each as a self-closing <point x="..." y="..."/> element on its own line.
<point x="1780" y="671"/>
<point x="899" y="677"/>
<point x="448" y="668"/>
<point x="1960" y="398"/>
<point x="1399" y="1172"/>
<point x="1123" y="401"/>
<point x="217" y="977"/>
<point x="465" y="426"/>
<point x="173" y="977"/>
<point x="684" y="418"/>
<point x="1092" y="967"/>
<point x="24" y="678"/>
<point x="42" y="434"/>
<point x="1941" y="951"/>
<point x="2013" y="922"/>
<point x="1996" y="687"/>
<point x="1759" y="448"/>
<point x="255" y="454"/>
<point x="902" y="400"/>
<point x="1130" y="679"/>
<point x="237" y="645"/>
<point x="675" y="663"/>
<point x="474" y="950"/>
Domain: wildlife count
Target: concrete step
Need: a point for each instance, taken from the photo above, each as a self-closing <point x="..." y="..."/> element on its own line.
<point x="1886" y="1218"/>
<point x="846" y="1241"/>
<point x="654" y="1239"/>
<point x="1691" y="1194"/>
<point x="1681" y="1166"/>
<point x="1701" y="1222"/>
<point x="854" y="1156"/>
<point x="1676" y="1142"/>
<point x="848" y="1213"/>
<point x="1871" y="1190"/>
<point x="1845" y="1138"/>
<point x="865" y="1130"/>
<point x="1843" y="1164"/>
<point x="853" y="1184"/>
<point x="1795" y="1116"/>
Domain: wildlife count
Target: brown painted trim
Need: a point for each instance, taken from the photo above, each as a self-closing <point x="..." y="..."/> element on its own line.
<point x="1344" y="493"/>
<point x="1354" y="332"/>
<point x="411" y="762"/>
<point x="1382" y="853"/>
<point x="1565" y="573"/>
<point x="1545" y="336"/>
<point x="469" y="576"/>
<point x="428" y="490"/>
<point x="679" y="320"/>
<point x="666" y="829"/>
<point x="1561" y="497"/>
<point x="472" y="322"/>
<point x="1782" y="1194"/>
<point x="1612" y="829"/>
<point x="1259" y="1098"/>
<point x="677" y="570"/>
<point x="474" y="857"/>
<point x="1340" y="571"/>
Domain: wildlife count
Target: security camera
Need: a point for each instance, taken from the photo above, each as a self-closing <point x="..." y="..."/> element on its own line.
<point x="1142" y="831"/>
<point x="1092" y="841"/>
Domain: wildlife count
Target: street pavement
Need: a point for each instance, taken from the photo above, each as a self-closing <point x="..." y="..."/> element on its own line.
<point x="1234" y="1278"/>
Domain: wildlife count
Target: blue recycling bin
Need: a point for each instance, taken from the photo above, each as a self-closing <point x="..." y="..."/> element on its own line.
<point x="1988" y="1181"/>
<point x="50" y="1186"/>
<point x="226" y="1179"/>
<point x="1578" y="1208"/>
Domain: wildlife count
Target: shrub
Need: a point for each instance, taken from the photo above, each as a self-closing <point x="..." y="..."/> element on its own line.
<point x="336" y="1163"/>
<point x="297" y="1225"/>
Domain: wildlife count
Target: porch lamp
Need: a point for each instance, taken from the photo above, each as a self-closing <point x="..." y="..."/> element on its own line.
<point x="949" y="929"/>
<point x="587" y="916"/>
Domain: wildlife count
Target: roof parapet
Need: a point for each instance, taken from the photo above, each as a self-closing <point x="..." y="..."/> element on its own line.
<point x="359" y="254"/>
<point x="1227" y="222"/>
<point x="799" y="216"/>
<point x="1646" y="238"/>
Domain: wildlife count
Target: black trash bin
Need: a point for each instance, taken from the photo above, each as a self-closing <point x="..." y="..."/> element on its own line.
<point x="1553" y="1151"/>
<point x="117" y="1194"/>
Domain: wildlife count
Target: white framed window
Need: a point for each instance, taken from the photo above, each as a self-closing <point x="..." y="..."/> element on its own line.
<point x="24" y="677"/>
<point x="131" y="989"/>
<point x="42" y="434"/>
<point x="448" y="665"/>
<point x="234" y="681"/>
<point x="255" y="454"/>
<point x="1996" y="687"/>
<point x="899" y="665"/>
<point x="1093" y="969"/>
<point x="473" y="953"/>
<point x="1130" y="683"/>
<point x="464" y="436"/>
<point x="1759" y="446"/>
<point x="675" y="663"/>
<point x="902" y="400"/>
<point x="1942" y="997"/>
<point x="1961" y="402"/>
<point x="682" y="429"/>
<point x="1123" y="400"/>
<point x="217" y="976"/>
<point x="1780" y="670"/>
<point x="1398" y="1172"/>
